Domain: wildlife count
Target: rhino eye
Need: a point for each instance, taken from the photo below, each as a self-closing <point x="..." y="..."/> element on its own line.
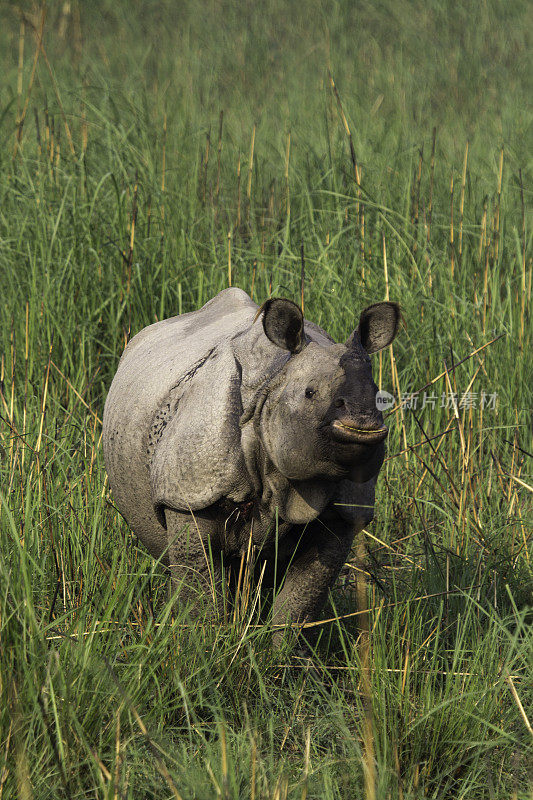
<point x="309" y="392"/>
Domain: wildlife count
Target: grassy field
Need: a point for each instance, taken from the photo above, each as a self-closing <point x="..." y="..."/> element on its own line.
<point x="151" y="153"/>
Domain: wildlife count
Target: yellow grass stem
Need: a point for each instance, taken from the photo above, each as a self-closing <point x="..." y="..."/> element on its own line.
<point x="485" y="289"/>
<point x="253" y="770"/>
<point x="519" y="705"/>
<point x="224" y="759"/>
<point x="307" y="752"/>
<point x="483" y="236"/>
<point x="286" y="175"/>
<point x="416" y="209"/>
<point x="163" y="172"/>
<point x="431" y="182"/>
<point x="250" y="172"/>
<point x="133" y="220"/>
<point x="462" y="202"/>
<point x="219" y="154"/>
<point x="496" y="232"/>
<point x="452" y="249"/>
<point x="523" y="286"/>
<point x="302" y="277"/>
<point x="206" y="164"/>
<point x="238" y="223"/>
<point x="229" y="257"/>
<point x="26" y="364"/>
<point x="369" y="766"/>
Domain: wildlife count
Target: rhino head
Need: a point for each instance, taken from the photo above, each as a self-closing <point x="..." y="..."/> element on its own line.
<point x="317" y="415"/>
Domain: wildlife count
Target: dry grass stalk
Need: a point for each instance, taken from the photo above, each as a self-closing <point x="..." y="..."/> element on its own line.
<point x="40" y="46"/>
<point x="47" y="129"/>
<point x="219" y="154"/>
<point x="43" y="398"/>
<point x="5" y="771"/>
<point x="394" y="370"/>
<point x="286" y="175"/>
<point x="416" y="210"/>
<point x="32" y="78"/>
<point x="523" y="286"/>
<point x="361" y="222"/>
<point x="238" y="223"/>
<point x="20" y="72"/>
<point x="357" y="172"/>
<point x="250" y="172"/>
<point x="462" y="202"/>
<point x="496" y="231"/>
<point x="366" y="687"/>
<point x="13" y="357"/>
<point x="206" y="164"/>
<point x="431" y="182"/>
<point x="26" y="367"/>
<point x="456" y="364"/>
<point x="297" y="626"/>
<point x="306" y="763"/>
<point x="385" y="267"/>
<point x="254" y="270"/>
<point x="84" y="128"/>
<point x="224" y="760"/>
<point x="133" y="221"/>
<point x="163" y="173"/>
<point x="52" y="151"/>
<point x="518" y="702"/>
<point x="452" y="249"/>
<point x="302" y="277"/>
<point x="485" y="288"/>
<point x="229" y="257"/>
<point x="483" y="236"/>
<point x="38" y="138"/>
<point x="253" y="770"/>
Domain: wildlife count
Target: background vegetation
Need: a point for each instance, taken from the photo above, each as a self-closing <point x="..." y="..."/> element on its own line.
<point x="152" y="152"/>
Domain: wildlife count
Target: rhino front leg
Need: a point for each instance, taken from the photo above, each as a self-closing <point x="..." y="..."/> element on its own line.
<point x="323" y="549"/>
<point x="194" y="561"/>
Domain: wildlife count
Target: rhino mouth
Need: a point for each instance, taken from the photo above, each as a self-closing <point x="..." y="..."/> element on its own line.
<point x="350" y="433"/>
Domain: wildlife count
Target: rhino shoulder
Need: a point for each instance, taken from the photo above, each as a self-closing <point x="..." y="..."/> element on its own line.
<point x="229" y="300"/>
<point x="197" y="458"/>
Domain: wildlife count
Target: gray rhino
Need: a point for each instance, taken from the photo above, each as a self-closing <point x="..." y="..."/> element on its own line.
<point x="220" y="432"/>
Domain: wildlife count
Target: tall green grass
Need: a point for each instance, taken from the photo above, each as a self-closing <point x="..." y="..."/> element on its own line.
<point x="108" y="691"/>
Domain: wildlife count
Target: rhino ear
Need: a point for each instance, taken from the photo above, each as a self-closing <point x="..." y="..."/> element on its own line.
<point x="378" y="326"/>
<point x="283" y="323"/>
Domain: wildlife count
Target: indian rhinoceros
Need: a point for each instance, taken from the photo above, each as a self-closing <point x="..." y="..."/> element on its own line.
<point x="221" y="432"/>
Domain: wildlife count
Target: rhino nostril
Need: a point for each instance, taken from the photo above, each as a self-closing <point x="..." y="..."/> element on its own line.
<point x="339" y="402"/>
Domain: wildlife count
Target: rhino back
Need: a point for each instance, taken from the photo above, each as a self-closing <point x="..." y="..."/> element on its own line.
<point x="139" y="405"/>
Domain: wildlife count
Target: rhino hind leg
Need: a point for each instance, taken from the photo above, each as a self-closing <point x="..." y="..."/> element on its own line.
<point x="195" y="563"/>
<point x="324" y="547"/>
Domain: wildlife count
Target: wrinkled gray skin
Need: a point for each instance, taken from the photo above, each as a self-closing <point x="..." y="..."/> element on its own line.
<point x="216" y="423"/>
